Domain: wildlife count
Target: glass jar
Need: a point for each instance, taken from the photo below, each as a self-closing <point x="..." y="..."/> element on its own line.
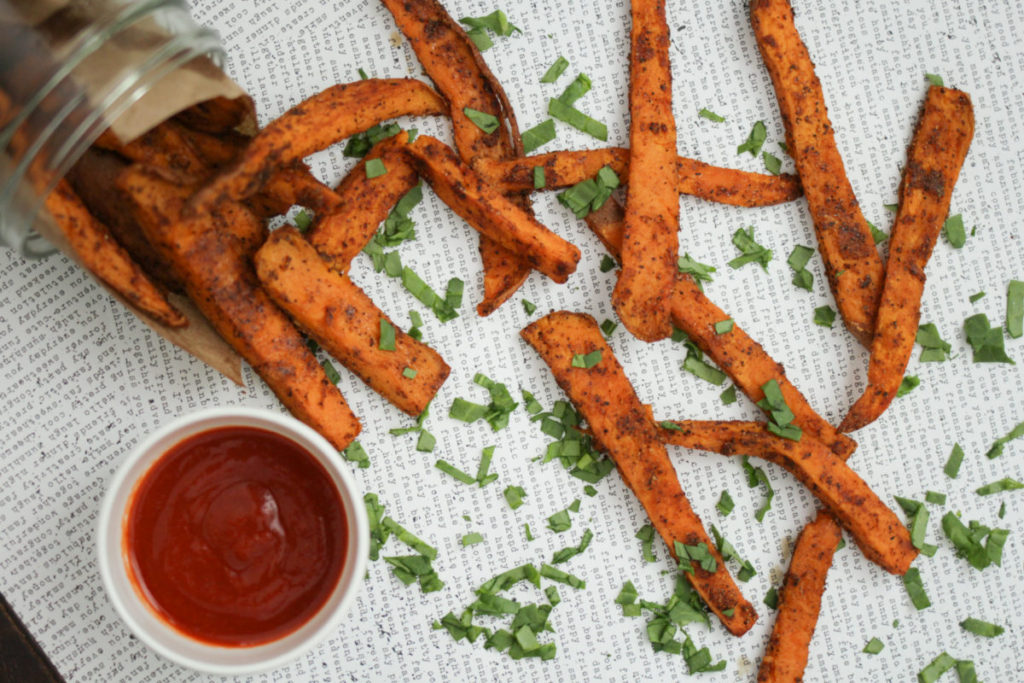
<point x="68" y="70"/>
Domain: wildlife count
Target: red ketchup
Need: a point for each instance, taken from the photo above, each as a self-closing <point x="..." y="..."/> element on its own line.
<point x="236" y="536"/>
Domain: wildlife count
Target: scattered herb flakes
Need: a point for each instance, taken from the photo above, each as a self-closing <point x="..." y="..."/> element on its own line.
<point x="375" y="168"/>
<point x="935" y="498"/>
<point x="934" y="349"/>
<point x="1002" y="510"/>
<point x="728" y="396"/>
<point x="700" y="553"/>
<point x="539" y="181"/>
<point x="566" y="554"/>
<point x="909" y="383"/>
<point x="551" y="592"/>
<point x="496" y="413"/>
<point x="387" y="336"/>
<point x="471" y="539"/>
<point x="697" y="366"/>
<point x="977" y="296"/>
<point x="527" y="532"/>
<point x="426" y="442"/>
<point x="480" y="38"/>
<point x="359" y="145"/>
<point x="877" y="235"/>
<point x="986" y="341"/>
<point x="936" y="669"/>
<point x="752" y="252"/>
<point x="710" y="115"/>
<point x="555" y="70"/>
<point x="590" y="195"/>
<point x="771" y="598"/>
<point x="874" y="646"/>
<point x="579" y="87"/>
<point x="607" y="264"/>
<point x="379" y="534"/>
<point x="560" y="521"/>
<point x="539" y="135"/>
<point x="891" y="208"/>
<point x="572" y="446"/>
<point x="409" y="373"/>
<point x="427" y="296"/>
<point x="466" y="411"/>
<point x="549" y="572"/>
<point x="590" y="490"/>
<point x="514" y="496"/>
<point x="483" y="477"/>
<point x="454" y="472"/>
<point x="755" y="141"/>
<point x="954" y="231"/>
<point x="530" y="403"/>
<point x="577" y="119"/>
<point x="303" y="220"/>
<point x="915" y="588"/>
<point x="934" y="80"/>
<point x="956" y="456"/>
<point x="355" y="452"/>
<point x="780" y="416"/>
<point x="724" y="326"/>
<point x="967" y="539"/>
<point x="700" y="272"/>
<point x="756" y="477"/>
<point x="608" y="327"/>
<point x="453" y="293"/>
<point x="728" y="552"/>
<point x="333" y="376"/>
<point x="362" y="74"/>
<point x="725" y="504"/>
<point x="997" y="447"/>
<point x="981" y="628"/>
<point x="965" y="671"/>
<point x="824" y="316"/>
<point x="586" y="360"/>
<point x="488" y="123"/>
<point x="799" y="257"/>
<point x="646" y="536"/>
<point x="1015" y="308"/>
<point x="496" y="22"/>
<point x="529" y="307"/>
<point x="803" y="279"/>
<point x="772" y="163"/>
<point x="1004" y="484"/>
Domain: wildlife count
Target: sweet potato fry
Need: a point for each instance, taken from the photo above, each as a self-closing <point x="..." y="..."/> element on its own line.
<point x="736" y="353"/>
<point x="96" y="248"/>
<point x="876" y="529"/>
<point x="650" y="241"/>
<point x="220" y="279"/>
<point x="472" y="197"/>
<point x="936" y="153"/>
<point x="166" y="146"/>
<point x="800" y="602"/>
<point x="219" y="115"/>
<point x="325" y="118"/>
<point x="621" y="425"/>
<point x="343" y="320"/>
<point x="458" y="70"/>
<point x="855" y="271"/>
<point x="289" y="186"/>
<point x="695" y="178"/>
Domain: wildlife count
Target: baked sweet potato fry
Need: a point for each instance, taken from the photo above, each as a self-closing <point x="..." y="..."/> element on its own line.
<point x="220" y="280"/>
<point x="96" y="248"/>
<point x="735" y="352"/>
<point x="219" y="115"/>
<point x="166" y="146"/>
<point x="325" y="118"/>
<point x="854" y="269"/>
<point x="875" y="528"/>
<point x="694" y="178"/>
<point x="650" y="241"/>
<point x="800" y="602"/>
<point x="458" y="70"/>
<point x="621" y="425"/>
<point x="343" y="320"/>
<point x="934" y="158"/>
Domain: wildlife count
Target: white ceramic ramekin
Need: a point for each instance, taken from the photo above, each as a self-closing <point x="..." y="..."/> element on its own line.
<point x="158" y="634"/>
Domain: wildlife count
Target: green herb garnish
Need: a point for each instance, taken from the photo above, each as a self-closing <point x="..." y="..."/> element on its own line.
<point x="915" y="588"/>
<point x="700" y="272"/>
<point x="752" y="252"/>
<point x="874" y="646"/>
<point x="1004" y="484"/>
<point x="355" y="452"/>
<point x="541" y="134"/>
<point x="997" y="447"/>
<point x="710" y="116"/>
<point x="933" y="348"/>
<point x="755" y="141"/>
<point x="577" y="119"/>
<point x="954" y="231"/>
<point x="555" y="70"/>
<point x="824" y="316"/>
<point x="488" y="123"/>
<point x="986" y="341"/>
<point x="1015" y="309"/>
<point x="586" y="360"/>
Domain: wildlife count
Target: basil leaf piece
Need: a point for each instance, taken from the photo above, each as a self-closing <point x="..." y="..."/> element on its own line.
<point x="555" y="70"/>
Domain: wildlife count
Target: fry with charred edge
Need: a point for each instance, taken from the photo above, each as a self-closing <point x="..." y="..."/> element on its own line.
<point x="219" y="115"/>
<point x="343" y="320"/>
<point x="341" y="233"/>
<point x="325" y="118"/>
<point x="219" y="279"/>
<point x="875" y="528"/>
<point x="695" y="178"/>
<point x="458" y="70"/>
<point x="622" y="426"/>
<point x="494" y="215"/>
<point x="96" y="248"/>
<point x="936" y="153"/>
<point x="650" y="242"/>
<point x="855" y="271"/>
<point x="735" y="352"/>
<point x="800" y="602"/>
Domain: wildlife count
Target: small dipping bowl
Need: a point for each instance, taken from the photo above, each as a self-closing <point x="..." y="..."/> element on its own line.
<point x="152" y="628"/>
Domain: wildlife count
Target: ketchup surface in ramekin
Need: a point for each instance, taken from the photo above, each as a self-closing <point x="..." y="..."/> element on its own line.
<point x="236" y="536"/>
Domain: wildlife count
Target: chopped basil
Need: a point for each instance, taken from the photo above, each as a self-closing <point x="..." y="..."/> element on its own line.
<point x="725" y="504"/>
<point x="529" y="307"/>
<point x="555" y="70"/>
<point x="824" y="316"/>
<point x="387" y="336"/>
<point x="453" y="293"/>
<point x="427" y="296"/>
<point x="362" y="74"/>
<point x="799" y="257"/>
<point x="488" y="123"/>
<point x="756" y="477"/>
<point x="359" y="145"/>
<point x="470" y="539"/>
<point x="981" y="628"/>
<point x="539" y="181"/>
<point x="466" y="411"/>
<point x="586" y="360"/>
<point x="803" y="279"/>
<point x="772" y="163"/>
<point x="710" y="116"/>
<point x="934" y="79"/>
<point x="965" y="671"/>
<point x="496" y="22"/>
<point x="874" y="646"/>
<point x="409" y="538"/>
<point x="607" y="263"/>
<point x="1015" y="309"/>
<point x="935" y="498"/>
<point x="646" y="536"/>
<point x="891" y="208"/>
<point x="728" y="552"/>
<point x="968" y="541"/>
<point x="626" y="596"/>
<point x="997" y="447"/>
<point x="482" y="476"/>
<point x="956" y="456"/>
<point x="375" y="168"/>
<point x="566" y="554"/>
<point x="302" y="220"/>
<point x="608" y="327"/>
<point x="700" y="553"/>
<point x="909" y="383"/>
<point x="480" y="38"/>
<point x="560" y="521"/>
<point x="697" y="366"/>
<point x="332" y="373"/>
<point x="986" y="341"/>
<point x="755" y="141"/>
<point x="933" y="348"/>
<point x="780" y="416"/>
<point x="752" y="252"/>
<point x="954" y="231"/>
<point x="590" y="490"/>
<point x="590" y="194"/>
<point x="455" y="472"/>
<point x="417" y="323"/>
<point x="915" y="588"/>
<point x="578" y="88"/>
<point x="943" y="662"/>
<point x="551" y="592"/>
<point x="728" y="396"/>
<point x="526" y="530"/>
<point x="577" y="119"/>
<point x="771" y="598"/>
<point x="877" y="235"/>
<point x="1004" y="484"/>
<point x="700" y="272"/>
<point x="1002" y="510"/>
<point x="977" y="296"/>
<point x="549" y="572"/>
<point x="355" y="452"/>
<point x="514" y="496"/>
<point x="426" y="442"/>
<point x="531" y="404"/>
<point x="724" y="326"/>
<point x="539" y="135"/>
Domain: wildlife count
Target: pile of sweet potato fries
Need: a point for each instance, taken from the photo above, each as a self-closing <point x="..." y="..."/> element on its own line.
<point x="185" y="209"/>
